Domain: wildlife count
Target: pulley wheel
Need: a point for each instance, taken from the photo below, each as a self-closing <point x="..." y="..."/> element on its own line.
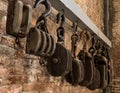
<point x="58" y="63"/>
<point x="88" y="66"/>
<point x="34" y="39"/>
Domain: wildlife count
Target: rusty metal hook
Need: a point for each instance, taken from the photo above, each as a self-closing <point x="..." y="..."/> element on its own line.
<point x="92" y="49"/>
<point x="47" y="5"/>
<point x="61" y="17"/>
<point x="60" y="31"/>
<point x="75" y="39"/>
<point x="42" y="17"/>
<point x="75" y="26"/>
<point x="99" y="47"/>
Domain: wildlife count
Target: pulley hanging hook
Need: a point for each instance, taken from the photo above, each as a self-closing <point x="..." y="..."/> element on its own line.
<point x="75" y="26"/>
<point x="60" y="31"/>
<point x="61" y="17"/>
<point x="74" y="39"/>
<point x="42" y="21"/>
<point x="47" y="5"/>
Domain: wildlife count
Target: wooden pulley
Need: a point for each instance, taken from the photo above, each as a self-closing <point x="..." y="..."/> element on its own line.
<point x="58" y="64"/>
<point x="38" y="42"/>
<point x="101" y="63"/>
<point x="70" y="60"/>
<point x="96" y="80"/>
<point x="34" y="39"/>
<point x="109" y="77"/>
<point x="42" y="46"/>
<point x="18" y="18"/>
<point x="75" y="76"/>
<point x="87" y="61"/>
<point x="82" y="70"/>
<point x="48" y="45"/>
<point x="100" y="55"/>
<point x="53" y="47"/>
<point x="107" y="55"/>
<point x="103" y="76"/>
<point x="96" y="76"/>
<point x="26" y="20"/>
<point x="88" y="70"/>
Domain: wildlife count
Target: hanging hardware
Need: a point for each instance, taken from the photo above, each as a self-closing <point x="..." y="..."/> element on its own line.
<point x="59" y="64"/>
<point x="18" y="19"/>
<point x="44" y="44"/>
<point x="87" y="61"/>
<point x="76" y="75"/>
<point x="60" y="30"/>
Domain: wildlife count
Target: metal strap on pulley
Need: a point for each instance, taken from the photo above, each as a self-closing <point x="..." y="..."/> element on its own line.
<point x="18" y="19"/>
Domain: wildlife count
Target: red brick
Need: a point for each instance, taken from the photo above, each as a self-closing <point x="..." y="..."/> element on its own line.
<point x="3" y="70"/>
<point x="16" y="70"/>
<point x="11" y="89"/>
<point x="18" y="79"/>
<point x="8" y="40"/>
<point x="34" y="86"/>
<point x="31" y="92"/>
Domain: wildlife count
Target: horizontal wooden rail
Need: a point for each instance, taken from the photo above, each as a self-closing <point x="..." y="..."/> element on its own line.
<point x="73" y="12"/>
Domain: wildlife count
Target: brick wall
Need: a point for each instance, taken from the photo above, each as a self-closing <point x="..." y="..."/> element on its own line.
<point x="116" y="46"/>
<point x="22" y="73"/>
<point x="94" y="10"/>
<point x="116" y="36"/>
<point x="116" y="85"/>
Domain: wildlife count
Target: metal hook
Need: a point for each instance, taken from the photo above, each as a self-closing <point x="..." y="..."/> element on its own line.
<point x="42" y="17"/>
<point x="88" y="36"/>
<point x="98" y="47"/>
<point x="92" y="48"/>
<point x="60" y="31"/>
<point x="87" y="41"/>
<point x="47" y="5"/>
<point x="75" y="26"/>
<point x="105" y="52"/>
<point x="61" y="17"/>
<point x="75" y="39"/>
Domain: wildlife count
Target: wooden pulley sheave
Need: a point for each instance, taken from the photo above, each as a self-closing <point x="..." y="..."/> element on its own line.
<point x="96" y="73"/>
<point x="76" y="75"/>
<point x="39" y="41"/>
<point x="59" y="64"/>
<point x="19" y="18"/>
<point x="101" y="64"/>
<point x="87" y="61"/>
<point x="105" y="53"/>
<point x="108" y="66"/>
